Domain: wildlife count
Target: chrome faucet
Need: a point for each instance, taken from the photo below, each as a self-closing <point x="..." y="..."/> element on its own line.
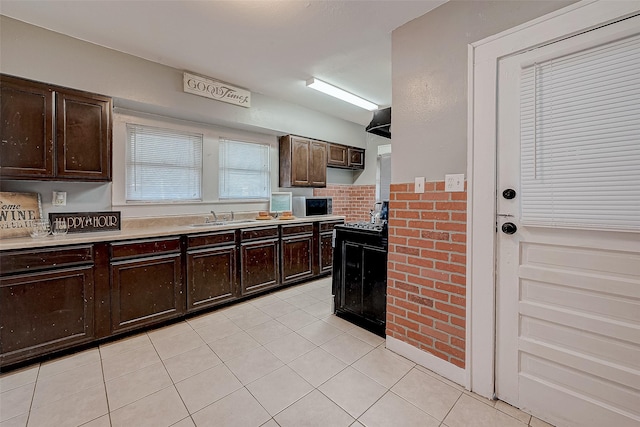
<point x="215" y="217"/>
<point x="232" y="217"/>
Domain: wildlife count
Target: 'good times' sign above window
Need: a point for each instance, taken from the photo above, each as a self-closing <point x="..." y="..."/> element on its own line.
<point x="216" y="90"/>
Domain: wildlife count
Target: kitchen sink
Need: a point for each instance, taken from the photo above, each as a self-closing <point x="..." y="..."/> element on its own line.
<point x="224" y="222"/>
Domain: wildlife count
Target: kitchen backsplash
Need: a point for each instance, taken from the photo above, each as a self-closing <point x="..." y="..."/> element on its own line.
<point x="352" y="201"/>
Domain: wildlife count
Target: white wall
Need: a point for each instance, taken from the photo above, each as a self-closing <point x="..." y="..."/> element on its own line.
<point x="140" y="85"/>
<point x="429" y="60"/>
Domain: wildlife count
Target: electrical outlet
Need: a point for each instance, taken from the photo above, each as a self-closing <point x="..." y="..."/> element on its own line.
<point x="454" y="182"/>
<point x="419" y="185"/>
<point x="59" y="198"/>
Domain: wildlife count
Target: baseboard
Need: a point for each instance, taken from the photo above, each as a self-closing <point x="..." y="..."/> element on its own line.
<point x="429" y="361"/>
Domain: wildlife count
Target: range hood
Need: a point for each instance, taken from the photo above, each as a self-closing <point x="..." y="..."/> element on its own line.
<point x="381" y="123"/>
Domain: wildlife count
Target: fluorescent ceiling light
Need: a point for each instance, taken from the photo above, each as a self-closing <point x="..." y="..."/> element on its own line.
<point x="340" y="94"/>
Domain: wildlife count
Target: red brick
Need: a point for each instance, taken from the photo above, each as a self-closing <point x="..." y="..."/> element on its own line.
<point x="392" y="309"/>
<point x="429" y="331"/>
<point x="407" y="287"/>
<point x="396" y="257"/>
<point x="459" y="259"/>
<point x="394" y="206"/>
<point x="408" y="232"/>
<point x="397" y="188"/>
<point x="439" y="354"/>
<point x="392" y="274"/>
<point x="450" y="330"/>
<point x="442" y="256"/>
<point x="460" y="290"/>
<point x="435" y="295"/>
<point x="438" y="215"/>
<point x="458" y="301"/>
<point x="396" y="293"/>
<point x="459" y="238"/>
<point x="459" y="216"/>
<point x="454" y="268"/>
<point x="407" y="196"/>
<point x="435" y="195"/>
<point x="460" y="280"/>
<point x="408" y="324"/>
<point x="434" y="314"/>
<point x="420" y="281"/>
<point x="422" y="262"/>
<point x="408" y="250"/>
<point x="423" y="320"/>
<point x="397" y="240"/>
<point x="407" y="269"/>
<point x="403" y="303"/>
<point x="421" y="338"/>
<point x="459" y="196"/>
<point x="434" y="235"/>
<point x="420" y="243"/>
<point x="434" y="274"/>
<point x="451" y="206"/>
<point x="423" y="225"/>
<point x="461" y="312"/>
<point x="451" y="226"/>
<point x="394" y="327"/>
<point x="407" y="214"/>
<point x="394" y="222"/>
<point x="421" y="206"/>
<point x="439" y="185"/>
<point x="429" y="186"/>
<point x="451" y="247"/>
<point x="458" y="321"/>
<point x="446" y="348"/>
<point x="457" y="342"/>
<point x="419" y="300"/>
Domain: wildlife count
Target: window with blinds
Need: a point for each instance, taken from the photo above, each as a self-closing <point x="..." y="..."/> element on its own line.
<point x="244" y="170"/>
<point x="580" y="139"/>
<point x="163" y="165"/>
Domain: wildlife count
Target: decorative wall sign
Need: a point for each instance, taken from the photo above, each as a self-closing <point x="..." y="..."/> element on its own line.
<point x="84" y="222"/>
<point x="17" y="210"/>
<point x="216" y="90"/>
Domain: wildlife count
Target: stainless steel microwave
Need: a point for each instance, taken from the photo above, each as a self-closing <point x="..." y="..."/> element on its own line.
<point x="310" y="206"/>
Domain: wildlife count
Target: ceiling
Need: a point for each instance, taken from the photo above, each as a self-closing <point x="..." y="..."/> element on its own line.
<point x="268" y="47"/>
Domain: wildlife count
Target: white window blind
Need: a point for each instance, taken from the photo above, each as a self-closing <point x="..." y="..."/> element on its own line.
<point x="244" y="170"/>
<point x="163" y="165"/>
<point x="580" y="139"/>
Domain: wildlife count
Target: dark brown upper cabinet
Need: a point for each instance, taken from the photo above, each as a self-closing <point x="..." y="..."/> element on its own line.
<point x="303" y="162"/>
<point x="53" y="133"/>
<point x="342" y="156"/>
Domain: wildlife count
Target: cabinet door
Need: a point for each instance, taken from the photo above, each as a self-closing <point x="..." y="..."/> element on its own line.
<point x="83" y="141"/>
<point x="356" y="158"/>
<point x="297" y="260"/>
<point x="337" y="155"/>
<point x="211" y="277"/>
<point x="318" y="164"/>
<point x="26" y="129"/>
<point x="259" y="266"/>
<point x="145" y="291"/>
<point x="326" y="252"/>
<point x="300" y="173"/>
<point x="374" y="284"/>
<point x="46" y="311"/>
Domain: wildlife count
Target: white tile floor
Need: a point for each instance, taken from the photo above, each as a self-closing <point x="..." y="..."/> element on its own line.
<point x="278" y="360"/>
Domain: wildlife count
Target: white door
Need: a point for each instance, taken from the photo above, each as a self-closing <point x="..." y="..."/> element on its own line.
<point x="568" y="291"/>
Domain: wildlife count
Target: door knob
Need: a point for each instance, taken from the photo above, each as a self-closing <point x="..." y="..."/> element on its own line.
<point x="509" y="228"/>
<point x="509" y="193"/>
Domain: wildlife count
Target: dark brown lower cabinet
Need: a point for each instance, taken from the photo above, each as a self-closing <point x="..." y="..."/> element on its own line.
<point x="297" y="252"/>
<point x="325" y="243"/>
<point x="45" y="310"/>
<point x="211" y="270"/>
<point x="259" y="259"/>
<point x="146" y="288"/>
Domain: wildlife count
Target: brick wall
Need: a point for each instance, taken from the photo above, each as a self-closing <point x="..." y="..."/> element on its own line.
<point x="426" y="293"/>
<point x="352" y="201"/>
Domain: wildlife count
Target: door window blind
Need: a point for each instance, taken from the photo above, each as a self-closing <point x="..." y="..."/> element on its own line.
<point x="580" y="139"/>
<point x="163" y="165"/>
<point x="244" y="170"/>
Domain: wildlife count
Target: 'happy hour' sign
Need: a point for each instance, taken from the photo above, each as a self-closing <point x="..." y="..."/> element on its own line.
<point x="84" y="222"/>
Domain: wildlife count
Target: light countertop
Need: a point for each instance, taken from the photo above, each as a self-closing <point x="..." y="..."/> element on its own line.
<point x="140" y="228"/>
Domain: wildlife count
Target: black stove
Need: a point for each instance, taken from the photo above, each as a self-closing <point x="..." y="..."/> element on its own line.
<point x="360" y="274"/>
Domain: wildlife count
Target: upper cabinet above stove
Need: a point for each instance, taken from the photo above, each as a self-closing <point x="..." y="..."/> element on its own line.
<point x="53" y="133"/>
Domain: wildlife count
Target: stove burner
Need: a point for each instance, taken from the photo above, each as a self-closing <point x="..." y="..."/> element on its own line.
<point x="365" y="226"/>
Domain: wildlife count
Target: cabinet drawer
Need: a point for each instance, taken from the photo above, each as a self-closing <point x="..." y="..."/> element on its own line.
<point x="259" y="233"/>
<point x="328" y="225"/>
<point x="211" y="239"/>
<point x="38" y="259"/>
<point x="138" y="248"/>
<point x="290" y="230"/>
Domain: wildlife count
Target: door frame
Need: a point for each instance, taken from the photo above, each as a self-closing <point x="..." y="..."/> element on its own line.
<point x="483" y="58"/>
